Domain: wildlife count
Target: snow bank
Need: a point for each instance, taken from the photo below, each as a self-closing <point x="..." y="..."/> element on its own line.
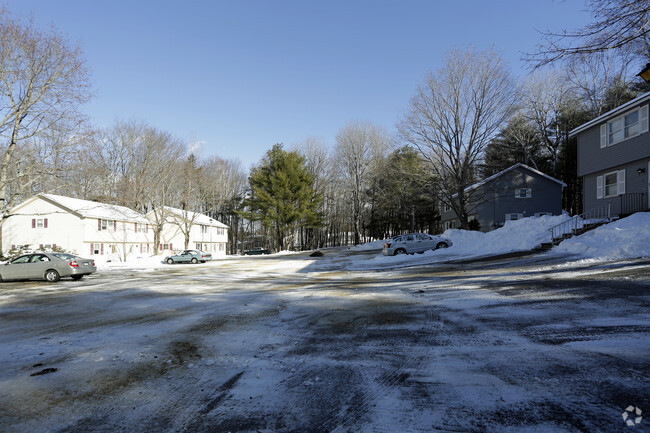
<point x="623" y="239"/>
<point x="520" y="235"/>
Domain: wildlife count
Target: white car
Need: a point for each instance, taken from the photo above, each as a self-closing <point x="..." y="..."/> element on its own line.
<point x="414" y="243"/>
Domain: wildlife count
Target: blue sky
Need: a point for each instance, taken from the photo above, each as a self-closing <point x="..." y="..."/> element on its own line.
<point x="240" y="76"/>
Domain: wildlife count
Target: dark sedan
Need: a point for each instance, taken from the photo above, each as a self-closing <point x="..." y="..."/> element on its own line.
<point x="46" y="266"/>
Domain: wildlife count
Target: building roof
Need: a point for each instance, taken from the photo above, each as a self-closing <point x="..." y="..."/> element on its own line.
<point x="88" y="209"/>
<point x="196" y="218"/>
<point x="512" y="167"/>
<point x="612" y="113"/>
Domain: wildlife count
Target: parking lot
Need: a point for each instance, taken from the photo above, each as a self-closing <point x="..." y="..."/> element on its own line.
<point x="291" y="343"/>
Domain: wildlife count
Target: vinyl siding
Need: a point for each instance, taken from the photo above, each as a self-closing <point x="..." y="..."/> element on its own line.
<point x="635" y="182"/>
<point x="592" y="158"/>
<point x="499" y="198"/>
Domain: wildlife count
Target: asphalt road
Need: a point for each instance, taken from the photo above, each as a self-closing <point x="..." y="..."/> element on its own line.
<point x="519" y="344"/>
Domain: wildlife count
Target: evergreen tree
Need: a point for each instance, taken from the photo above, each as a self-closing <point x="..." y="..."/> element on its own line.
<point x="405" y="196"/>
<point x="282" y="196"/>
<point x="518" y="142"/>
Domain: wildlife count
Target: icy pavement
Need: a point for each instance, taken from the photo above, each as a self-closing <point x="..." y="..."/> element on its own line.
<point x="555" y="342"/>
<point x="273" y="344"/>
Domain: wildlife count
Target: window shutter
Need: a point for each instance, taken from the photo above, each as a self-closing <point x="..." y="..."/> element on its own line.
<point x="101" y="249"/>
<point x="643" y="118"/>
<point x="114" y="225"/>
<point x="603" y="136"/>
<point x="45" y="223"/>
<point x="136" y="230"/>
<point x="33" y="223"/>
<point x="53" y="246"/>
<point x="92" y="250"/>
<point x="620" y="179"/>
<point x="170" y="246"/>
<point x="40" y="246"/>
<point x="99" y="225"/>
<point x="599" y="187"/>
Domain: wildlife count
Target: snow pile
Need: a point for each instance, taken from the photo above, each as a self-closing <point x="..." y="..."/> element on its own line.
<point x="626" y="238"/>
<point x="520" y="235"/>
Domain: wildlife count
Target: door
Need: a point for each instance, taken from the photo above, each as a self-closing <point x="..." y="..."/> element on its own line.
<point x="38" y="264"/>
<point x="16" y="269"/>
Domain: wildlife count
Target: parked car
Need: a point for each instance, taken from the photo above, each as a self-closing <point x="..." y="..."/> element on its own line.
<point x="414" y="243"/>
<point x="256" y="251"/>
<point x="46" y="266"/>
<point x="189" y="256"/>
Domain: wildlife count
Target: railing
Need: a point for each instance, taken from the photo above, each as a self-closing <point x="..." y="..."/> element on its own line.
<point x="578" y="223"/>
<point x="633" y="202"/>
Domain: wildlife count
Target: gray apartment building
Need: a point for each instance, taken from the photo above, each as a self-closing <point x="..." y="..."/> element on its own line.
<point x="514" y="193"/>
<point x="614" y="158"/>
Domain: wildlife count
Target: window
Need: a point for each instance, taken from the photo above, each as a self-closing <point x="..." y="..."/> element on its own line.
<point x="448" y="225"/>
<point x="204" y="229"/>
<point x="523" y="193"/>
<point x="610" y="184"/>
<point x="539" y="214"/>
<point x="39" y="223"/>
<point x="623" y="127"/>
<point x="514" y="216"/>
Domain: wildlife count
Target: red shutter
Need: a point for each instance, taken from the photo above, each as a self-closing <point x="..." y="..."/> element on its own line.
<point x="101" y="249"/>
<point x="99" y="225"/>
<point x="53" y="246"/>
<point x="45" y="222"/>
<point x="33" y="223"/>
<point x="170" y="246"/>
<point x="40" y="246"/>
<point x="160" y="247"/>
<point x="92" y="250"/>
<point x="136" y="228"/>
<point x="114" y="225"/>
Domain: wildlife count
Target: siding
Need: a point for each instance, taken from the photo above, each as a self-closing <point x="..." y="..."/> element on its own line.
<point x="634" y="183"/>
<point x="499" y="198"/>
<point x="591" y="158"/>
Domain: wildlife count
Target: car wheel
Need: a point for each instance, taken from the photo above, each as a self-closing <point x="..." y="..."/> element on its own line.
<point x="170" y="261"/>
<point x="52" y="276"/>
<point x="400" y="251"/>
<point x="442" y="245"/>
<point x="77" y="277"/>
<point x="194" y="261"/>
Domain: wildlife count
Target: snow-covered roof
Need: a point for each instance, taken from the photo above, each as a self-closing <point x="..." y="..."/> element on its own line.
<point x="91" y="209"/>
<point x="197" y="218"/>
<point x="618" y="110"/>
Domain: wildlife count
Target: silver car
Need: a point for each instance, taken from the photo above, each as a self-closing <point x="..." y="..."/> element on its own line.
<point x="414" y="243"/>
<point x="46" y="266"/>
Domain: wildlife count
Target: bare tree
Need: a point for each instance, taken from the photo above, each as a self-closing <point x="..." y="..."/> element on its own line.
<point x="617" y="24"/>
<point x="319" y="164"/>
<point x="360" y="147"/>
<point x="543" y="95"/>
<point x="225" y="182"/>
<point x="454" y="115"/>
<point x="42" y="81"/>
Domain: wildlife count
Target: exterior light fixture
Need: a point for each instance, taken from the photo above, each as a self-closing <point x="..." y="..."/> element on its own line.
<point x="645" y="73"/>
<point x="640" y="170"/>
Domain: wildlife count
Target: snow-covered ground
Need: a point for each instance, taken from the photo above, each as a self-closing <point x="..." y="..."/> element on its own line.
<point x="351" y="341"/>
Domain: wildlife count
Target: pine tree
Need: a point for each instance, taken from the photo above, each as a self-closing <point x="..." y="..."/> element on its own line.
<point x="282" y="196"/>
